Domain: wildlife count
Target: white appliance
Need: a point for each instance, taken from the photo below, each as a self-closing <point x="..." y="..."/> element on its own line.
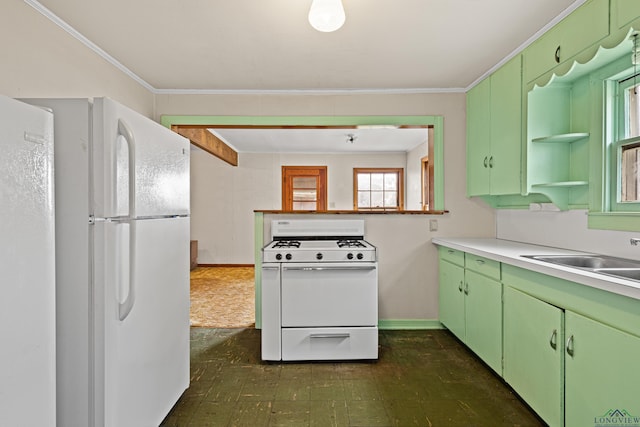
<point x="319" y="292"/>
<point x="122" y="223"/>
<point x="27" y="266"/>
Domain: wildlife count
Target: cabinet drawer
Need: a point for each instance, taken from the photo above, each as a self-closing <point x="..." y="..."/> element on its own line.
<point x="452" y="255"/>
<point x="330" y="343"/>
<point x="487" y="267"/>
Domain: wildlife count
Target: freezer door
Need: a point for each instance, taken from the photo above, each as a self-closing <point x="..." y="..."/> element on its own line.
<point x="142" y="360"/>
<point x="27" y="266"/>
<point x="140" y="168"/>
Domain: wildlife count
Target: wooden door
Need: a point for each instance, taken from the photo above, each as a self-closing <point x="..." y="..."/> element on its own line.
<point x="304" y="188"/>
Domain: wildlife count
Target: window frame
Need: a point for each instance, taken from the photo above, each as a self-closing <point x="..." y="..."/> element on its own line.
<point x="373" y="170"/>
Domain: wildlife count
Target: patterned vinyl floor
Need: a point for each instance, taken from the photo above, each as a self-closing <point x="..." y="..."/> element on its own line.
<point x="222" y="297"/>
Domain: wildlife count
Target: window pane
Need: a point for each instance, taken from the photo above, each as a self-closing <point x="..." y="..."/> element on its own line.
<point x="390" y="199"/>
<point x="304" y="195"/>
<point x="304" y="206"/>
<point x="377" y="180"/>
<point x="629" y="173"/>
<point x="633" y="97"/>
<point x="304" y="182"/>
<point x="364" y="181"/>
<point x="364" y="199"/>
<point x="390" y="181"/>
<point x="377" y="199"/>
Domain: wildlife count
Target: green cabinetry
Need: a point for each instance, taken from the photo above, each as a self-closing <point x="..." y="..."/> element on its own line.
<point x="494" y="132"/>
<point x="582" y="29"/>
<point x="471" y="303"/>
<point x="601" y="372"/>
<point x="625" y="14"/>
<point x="533" y="353"/>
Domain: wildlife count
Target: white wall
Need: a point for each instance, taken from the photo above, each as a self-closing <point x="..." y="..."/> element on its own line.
<point x="40" y="60"/>
<point x="224" y="197"/>
<point x="409" y="281"/>
<point x="566" y="229"/>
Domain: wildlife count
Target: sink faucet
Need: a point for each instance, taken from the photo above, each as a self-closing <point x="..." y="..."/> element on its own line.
<point x="634" y="241"/>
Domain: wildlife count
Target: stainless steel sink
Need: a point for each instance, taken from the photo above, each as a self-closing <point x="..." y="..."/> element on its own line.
<point x="627" y="273"/>
<point x="602" y="264"/>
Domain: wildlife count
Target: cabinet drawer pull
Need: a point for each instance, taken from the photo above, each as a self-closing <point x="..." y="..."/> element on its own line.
<point x="466" y="288"/>
<point x="486" y="161"/>
<point x="491" y="162"/>
<point x="451" y="251"/>
<point x="330" y="336"/>
<point x="480" y="261"/>
<point x="553" y="341"/>
<point x="460" y="287"/>
<point x="557" y="55"/>
<point x="569" y="346"/>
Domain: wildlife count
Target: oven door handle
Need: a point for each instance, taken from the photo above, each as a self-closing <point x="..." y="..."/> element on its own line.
<point x="360" y="268"/>
<point x="271" y="268"/>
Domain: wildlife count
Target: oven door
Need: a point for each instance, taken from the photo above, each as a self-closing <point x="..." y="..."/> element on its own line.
<point x="329" y="294"/>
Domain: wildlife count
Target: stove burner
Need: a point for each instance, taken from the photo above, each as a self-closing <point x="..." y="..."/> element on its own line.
<point x="351" y="244"/>
<point x="287" y="244"/>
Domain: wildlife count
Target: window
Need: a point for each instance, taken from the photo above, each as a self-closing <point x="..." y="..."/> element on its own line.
<point x="625" y="149"/>
<point x="378" y="189"/>
<point x="304" y="188"/>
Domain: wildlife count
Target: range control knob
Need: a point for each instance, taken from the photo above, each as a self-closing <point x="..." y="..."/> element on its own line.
<point x="349" y="255"/>
<point x="318" y="255"/>
<point x="360" y="256"/>
<point x="288" y="256"/>
<point x="278" y="257"/>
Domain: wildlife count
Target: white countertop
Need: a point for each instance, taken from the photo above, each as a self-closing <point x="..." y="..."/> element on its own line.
<point x="510" y="252"/>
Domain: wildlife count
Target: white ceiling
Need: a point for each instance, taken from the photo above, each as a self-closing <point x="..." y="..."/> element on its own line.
<point x="265" y="46"/>
<point x="322" y="140"/>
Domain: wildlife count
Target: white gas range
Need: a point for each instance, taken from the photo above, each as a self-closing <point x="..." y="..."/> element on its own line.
<point x="319" y="292"/>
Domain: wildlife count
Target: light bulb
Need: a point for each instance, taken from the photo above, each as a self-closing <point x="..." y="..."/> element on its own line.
<point x="326" y="15"/>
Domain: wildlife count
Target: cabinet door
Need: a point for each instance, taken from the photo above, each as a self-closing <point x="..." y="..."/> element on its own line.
<point x="506" y="128"/>
<point x="533" y="353"/>
<point x="483" y="312"/>
<point x="478" y="139"/>
<point x="585" y="27"/>
<point x="451" y="298"/>
<point x="625" y="12"/>
<point x="602" y="378"/>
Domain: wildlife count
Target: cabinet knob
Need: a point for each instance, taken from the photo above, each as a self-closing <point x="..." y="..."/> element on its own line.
<point x="491" y="162"/>
<point x="486" y="161"/>
<point x="557" y="55"/>
<point x="466" y="288"/>
<point x="460" y="287"/>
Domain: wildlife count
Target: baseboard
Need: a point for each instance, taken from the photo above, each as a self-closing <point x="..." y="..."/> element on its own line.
<point x="391" y="324"/>
<point x="226" y="265"/>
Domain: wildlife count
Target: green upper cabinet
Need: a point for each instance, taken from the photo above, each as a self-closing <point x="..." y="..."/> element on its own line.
<point x="602" y="380"/>
<point x="580" y="30"/>
<point x="625" y="14"/>
<point x="494" y="132"/>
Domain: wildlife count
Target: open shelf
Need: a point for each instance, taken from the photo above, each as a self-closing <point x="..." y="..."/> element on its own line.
<point x="566" y="137"/>
<point x="564" y="184"/>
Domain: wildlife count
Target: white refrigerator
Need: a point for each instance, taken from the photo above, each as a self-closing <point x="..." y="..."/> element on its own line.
<point x="122" y="224"/>
<point x="27" y="266"/>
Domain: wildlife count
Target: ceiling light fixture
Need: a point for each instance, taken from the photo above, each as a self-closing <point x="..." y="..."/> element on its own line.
<point x="326" y="15"/>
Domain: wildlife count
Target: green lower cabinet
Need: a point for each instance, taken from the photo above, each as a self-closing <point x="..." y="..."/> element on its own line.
<point x="451" y="299"/>
<point x="602" y="377"/>
<point x="471" y="308"/>
<point x="533" y="353"/>
<point x="483" y="318"/>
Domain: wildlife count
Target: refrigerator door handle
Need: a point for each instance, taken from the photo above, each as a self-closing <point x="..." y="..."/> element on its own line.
<point x="125" y="131"/>
<point x="125" y="307"/>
